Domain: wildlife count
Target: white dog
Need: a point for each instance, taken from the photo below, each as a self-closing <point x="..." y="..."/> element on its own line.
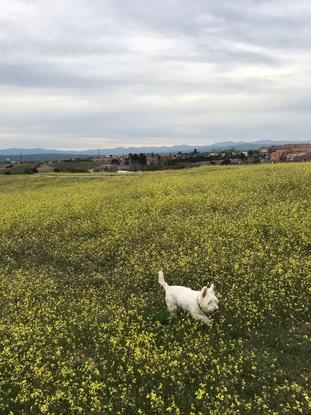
<point x="197" y="303"/>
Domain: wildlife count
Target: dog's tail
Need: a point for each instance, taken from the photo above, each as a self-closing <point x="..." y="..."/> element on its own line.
<point x="161" y="280"/>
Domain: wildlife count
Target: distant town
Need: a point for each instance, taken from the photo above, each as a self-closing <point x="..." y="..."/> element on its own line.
<point x="134" y="162"/>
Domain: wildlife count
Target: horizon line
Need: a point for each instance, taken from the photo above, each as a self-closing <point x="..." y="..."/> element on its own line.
<point x="156" y="146"/>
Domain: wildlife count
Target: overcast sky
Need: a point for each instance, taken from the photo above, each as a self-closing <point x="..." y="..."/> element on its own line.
<point x="77" y="74"/>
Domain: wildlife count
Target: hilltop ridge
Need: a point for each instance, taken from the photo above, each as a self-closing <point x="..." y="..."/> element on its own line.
<point x="55" y="153"/>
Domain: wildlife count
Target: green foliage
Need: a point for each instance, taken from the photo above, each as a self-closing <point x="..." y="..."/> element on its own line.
<point x="84" y="328"/>
<point x="74" y="166"/>
<point x="22" y="168"/>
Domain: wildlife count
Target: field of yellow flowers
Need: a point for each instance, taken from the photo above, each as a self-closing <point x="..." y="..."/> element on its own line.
<point x="83" y="323"/>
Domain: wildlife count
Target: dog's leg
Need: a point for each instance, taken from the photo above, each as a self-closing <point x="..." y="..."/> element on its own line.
<point x="171" y="306"/>
<point x="201" y="317"/>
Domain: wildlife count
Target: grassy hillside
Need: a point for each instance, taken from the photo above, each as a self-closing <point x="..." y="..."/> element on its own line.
<point x="83" y="323"/>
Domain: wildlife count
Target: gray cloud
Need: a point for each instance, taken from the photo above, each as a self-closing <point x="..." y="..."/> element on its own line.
<point x="130" y="72"/>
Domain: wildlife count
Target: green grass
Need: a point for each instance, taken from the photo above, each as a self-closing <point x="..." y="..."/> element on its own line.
<point x="83" y="325"/>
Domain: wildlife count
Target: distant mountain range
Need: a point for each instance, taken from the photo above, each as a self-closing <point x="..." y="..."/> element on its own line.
<point x="38" y="154"/>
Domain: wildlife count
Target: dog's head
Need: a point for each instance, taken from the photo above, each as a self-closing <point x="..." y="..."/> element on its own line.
<point x="208" y="300"/>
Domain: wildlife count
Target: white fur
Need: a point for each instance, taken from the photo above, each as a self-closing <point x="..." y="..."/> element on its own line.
<point x="190" y="300"/>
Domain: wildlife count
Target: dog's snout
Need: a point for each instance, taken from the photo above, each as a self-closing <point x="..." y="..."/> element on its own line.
<point x="215" y="309"/>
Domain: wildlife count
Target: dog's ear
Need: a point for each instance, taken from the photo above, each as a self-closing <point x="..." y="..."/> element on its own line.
<point x="204" y="291"/>
<point x="212" y="288"/>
